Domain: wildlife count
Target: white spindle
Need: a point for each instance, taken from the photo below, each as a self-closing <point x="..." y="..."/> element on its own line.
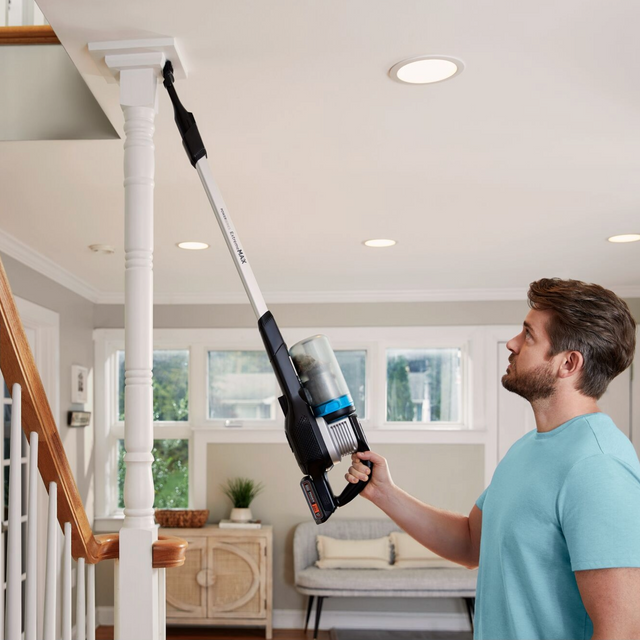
<point x="50" y="591"/>
<point x="2" y="534"/>
<point x="80" y="602"/>
<point x="31" y="613"/>
<point x="162" y="608"/>
<point x="91" y="602"/>
<point x="14" y="542"/>
<point x="66" y="583"/>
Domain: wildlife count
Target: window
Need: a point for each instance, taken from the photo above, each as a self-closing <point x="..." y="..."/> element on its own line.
<point x="408" y="384"/>
<point x="354" y="366"/>
<point x="170" y="385"/>
<point x="170" y="468"/>
<point x="170" y="471"/>
<point x="424" y="385"/>
<point x="242" y="386"/>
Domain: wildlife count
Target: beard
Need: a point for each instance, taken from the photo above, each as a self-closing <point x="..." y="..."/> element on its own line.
<point x="536" y="384"/>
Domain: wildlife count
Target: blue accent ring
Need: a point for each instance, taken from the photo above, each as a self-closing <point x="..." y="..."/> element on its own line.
<point x="333" y="405"/>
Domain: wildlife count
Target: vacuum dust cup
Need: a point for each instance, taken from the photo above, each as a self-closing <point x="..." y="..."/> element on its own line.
<point x="321" y="377"/>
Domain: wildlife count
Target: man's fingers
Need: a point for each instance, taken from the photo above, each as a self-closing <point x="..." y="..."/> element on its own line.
<point x="359" y="472"/>
<point x="368" y="455"/>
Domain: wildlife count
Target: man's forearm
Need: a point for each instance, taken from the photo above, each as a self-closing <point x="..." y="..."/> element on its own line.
<point x="444" y="532"/>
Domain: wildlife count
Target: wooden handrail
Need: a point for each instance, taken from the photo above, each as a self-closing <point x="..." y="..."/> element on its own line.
<point x="28" y="35"/>
<point x="18" y="366"/>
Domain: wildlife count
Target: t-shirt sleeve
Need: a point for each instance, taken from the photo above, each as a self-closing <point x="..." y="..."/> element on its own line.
<point x="598" y="509"/>
<point x="480" y="500"/>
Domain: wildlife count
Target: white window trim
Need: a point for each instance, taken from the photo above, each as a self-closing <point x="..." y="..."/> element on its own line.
<point x="479" y="389"/>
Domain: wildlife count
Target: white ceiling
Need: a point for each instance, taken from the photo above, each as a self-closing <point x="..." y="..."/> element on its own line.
<point x="518" y="168"/>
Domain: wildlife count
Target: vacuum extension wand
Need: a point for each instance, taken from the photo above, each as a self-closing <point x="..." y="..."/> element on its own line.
<point x="321" y="424"/>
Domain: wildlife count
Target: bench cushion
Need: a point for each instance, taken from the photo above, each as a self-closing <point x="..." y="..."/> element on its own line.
<point x="396" y="582"/>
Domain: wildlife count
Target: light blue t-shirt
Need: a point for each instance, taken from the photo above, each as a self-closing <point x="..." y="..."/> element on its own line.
<point x="562" y="501"/>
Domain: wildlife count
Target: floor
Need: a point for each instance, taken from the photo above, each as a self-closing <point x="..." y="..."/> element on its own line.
<point x="202" y="633"/>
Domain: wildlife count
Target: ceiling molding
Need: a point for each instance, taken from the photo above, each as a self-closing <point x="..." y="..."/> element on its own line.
<point x="47" y="267"/>
<point x="345" y="297"/>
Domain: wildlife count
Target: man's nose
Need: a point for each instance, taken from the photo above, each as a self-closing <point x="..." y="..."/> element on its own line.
<point x="512" y="345"/>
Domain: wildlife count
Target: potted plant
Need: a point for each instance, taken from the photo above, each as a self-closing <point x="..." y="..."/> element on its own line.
<point x="241" y="492"/>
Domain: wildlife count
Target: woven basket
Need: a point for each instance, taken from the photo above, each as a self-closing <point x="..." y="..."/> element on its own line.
<point x="192" y="518"/>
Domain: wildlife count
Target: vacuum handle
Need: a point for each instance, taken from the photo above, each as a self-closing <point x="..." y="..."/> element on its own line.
<point x="352" y="490"/>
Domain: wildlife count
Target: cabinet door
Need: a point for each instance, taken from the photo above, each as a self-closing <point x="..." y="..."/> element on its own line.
<point x="186" y="585"/>
<point x="237" y="566"/>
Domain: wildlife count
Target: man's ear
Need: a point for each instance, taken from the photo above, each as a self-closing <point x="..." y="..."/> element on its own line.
<point x="571" y="364"/>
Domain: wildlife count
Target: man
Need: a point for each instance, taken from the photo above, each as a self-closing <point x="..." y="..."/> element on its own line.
<point x="559" y="552"/>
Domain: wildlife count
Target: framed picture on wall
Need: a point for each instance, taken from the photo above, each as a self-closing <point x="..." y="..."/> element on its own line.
<point x="79" y="381"/>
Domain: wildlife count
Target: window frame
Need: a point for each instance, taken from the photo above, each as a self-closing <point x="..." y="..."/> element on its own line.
<point x="200" y="430"/>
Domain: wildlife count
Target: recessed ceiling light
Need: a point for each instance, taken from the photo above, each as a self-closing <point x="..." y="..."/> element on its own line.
<point x="379" y="242"/>
<point x="102" y="248"/>
<point x="625" y="237"/>
<point x="193" y="246"/>
<point x="426" y="69"/>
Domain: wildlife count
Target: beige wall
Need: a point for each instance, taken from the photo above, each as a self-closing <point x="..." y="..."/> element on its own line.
<point x="387" y="314"/>
<point x="447" y="476"/>
<point x="76" y="347"/>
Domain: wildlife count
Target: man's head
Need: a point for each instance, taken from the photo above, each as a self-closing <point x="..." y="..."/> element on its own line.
<point x="576" y="333"/>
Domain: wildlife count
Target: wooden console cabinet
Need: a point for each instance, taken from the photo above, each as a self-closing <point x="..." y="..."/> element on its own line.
<point x="225" y="580"/>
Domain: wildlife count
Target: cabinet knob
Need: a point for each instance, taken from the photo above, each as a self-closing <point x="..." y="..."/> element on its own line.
<point x="206" y="578"/>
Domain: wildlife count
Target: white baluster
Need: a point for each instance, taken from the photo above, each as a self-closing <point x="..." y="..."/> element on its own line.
<point x="80" y="602"/>
<point x="2" y="534"/>
<point x="91" y="602"/>
<point x="14" y="542"/>
<point x="31" y="612"/>
<point x="50" y="591"/>
<point x="66" y="583"/>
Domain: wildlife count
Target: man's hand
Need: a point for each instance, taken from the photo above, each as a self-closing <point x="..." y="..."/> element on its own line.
<point x="610" y="597"/>
<point x="379" y="478"/>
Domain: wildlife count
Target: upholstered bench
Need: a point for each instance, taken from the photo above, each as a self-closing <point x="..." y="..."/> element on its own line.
<point x="405" y="583"/>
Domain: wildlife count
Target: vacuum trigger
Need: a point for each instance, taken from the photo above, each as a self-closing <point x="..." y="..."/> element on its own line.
<point x="284" y="405"/>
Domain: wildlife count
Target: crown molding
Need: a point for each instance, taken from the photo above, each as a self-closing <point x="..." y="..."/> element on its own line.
<point x="34" y="260"/>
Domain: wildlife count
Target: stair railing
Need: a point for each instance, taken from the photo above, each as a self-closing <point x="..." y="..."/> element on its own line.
<point x="31" y="414"/>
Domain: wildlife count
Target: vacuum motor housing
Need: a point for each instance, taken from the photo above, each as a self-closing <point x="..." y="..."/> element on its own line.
<point x="321" y="424"/>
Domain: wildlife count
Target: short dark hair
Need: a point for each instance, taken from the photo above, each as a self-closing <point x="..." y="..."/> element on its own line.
<point x="592" y="320"/>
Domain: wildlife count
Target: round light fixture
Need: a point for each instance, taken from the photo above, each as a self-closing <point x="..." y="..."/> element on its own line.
<point x="102" y="248"/>
<point x="625" y="237"/>
<point x="193" y="246"/>
<point x="426" y="69"/>
<point x="379" y="242"/>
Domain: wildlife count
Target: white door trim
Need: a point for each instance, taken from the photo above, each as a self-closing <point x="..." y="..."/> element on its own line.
<point x="45" y="324"/>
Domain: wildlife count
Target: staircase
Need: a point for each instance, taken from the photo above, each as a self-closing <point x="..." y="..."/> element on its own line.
<point x="31" y="415"/>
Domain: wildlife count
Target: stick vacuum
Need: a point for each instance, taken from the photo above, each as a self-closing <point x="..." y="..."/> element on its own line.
<point x="321" y="424"/>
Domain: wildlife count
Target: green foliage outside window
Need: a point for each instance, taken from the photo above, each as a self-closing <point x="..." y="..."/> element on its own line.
<point x="423" y="385"/>
<point x="170" y="469"/>
<point x="170" y="385"/>
<point x="399" y="405"/>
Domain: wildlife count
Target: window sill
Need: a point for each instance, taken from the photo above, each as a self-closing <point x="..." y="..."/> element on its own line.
<point x="374" y="436"/>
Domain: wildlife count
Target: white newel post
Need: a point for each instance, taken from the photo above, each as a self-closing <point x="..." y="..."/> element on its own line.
<point x="139" y="611"/>
<point x="138" y="581"/>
